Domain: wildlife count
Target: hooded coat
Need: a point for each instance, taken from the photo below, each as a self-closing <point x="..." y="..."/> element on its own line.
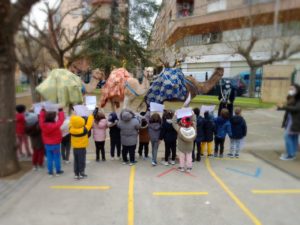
<point x="238" y="127"/>
<point x="168" y="133"/>
<point x="144" y="134"/>
<point x="34" y="132"/>
<point x="129" y="125"/>
<point x="51" y="132"/>
<point x="99" y="130"/>
<point x="223" y="127"/>
<point x="154" y="131"/>
<point x="184" y="145"/>
<point x="79" y="131"/>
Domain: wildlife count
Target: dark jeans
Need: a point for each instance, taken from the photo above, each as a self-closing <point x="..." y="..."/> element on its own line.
<point x="142" y="146"/>
<point x="219" y="142"/>
<point x="131" y="151"/>
<point x="198" y="156"/>
<point x="100" y="147"/>
<point x="115" y="144"/>
<point x="65" y="147"/>
<point x="170" y="147"/>
<point x="79" y="160"/>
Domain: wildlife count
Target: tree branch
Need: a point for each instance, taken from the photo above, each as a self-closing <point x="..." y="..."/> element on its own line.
<point x="19" y="10"/>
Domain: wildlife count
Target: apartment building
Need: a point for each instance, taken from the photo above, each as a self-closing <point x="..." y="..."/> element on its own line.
<point x="205" y="33"/>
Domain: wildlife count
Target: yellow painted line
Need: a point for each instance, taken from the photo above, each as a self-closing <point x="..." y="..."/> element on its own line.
<point x="179" y="193"/>
<point x="82" y="187"/>
<point x="131" y="197"/>
<point x="280" y="191"/>
<point x="231" y="194"/>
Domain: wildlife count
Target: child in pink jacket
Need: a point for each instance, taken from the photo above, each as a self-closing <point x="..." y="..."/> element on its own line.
<point x="99" y="134"/>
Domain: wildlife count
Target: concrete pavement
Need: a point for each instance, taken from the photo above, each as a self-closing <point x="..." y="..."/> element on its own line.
<point x="218" y="191"/>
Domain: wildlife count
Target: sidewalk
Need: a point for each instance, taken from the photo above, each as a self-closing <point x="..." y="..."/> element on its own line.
<point x="272" y="157"/>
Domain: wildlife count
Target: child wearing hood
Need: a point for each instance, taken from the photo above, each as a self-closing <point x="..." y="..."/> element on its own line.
<point x="115" y="135"/>
<point x="239" y="131"/>
<point x="79" y="130"/>
<point x="129" y="125"/>
<point x="33" y="130"/>
<point x="186" y="130"/>
<point x="169" y="135"/>
<point x="154" y="128"/>
<point x="144" y="138"/>
<point x="223" y="127"/>
<point x="99" y="134"/>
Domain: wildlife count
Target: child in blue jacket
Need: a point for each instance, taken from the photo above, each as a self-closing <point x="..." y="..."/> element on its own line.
<point x="239" y="131"/>
<point x="223" y="127"/>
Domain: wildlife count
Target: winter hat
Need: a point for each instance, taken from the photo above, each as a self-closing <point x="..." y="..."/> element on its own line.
<point x="186" y="121"/>
<point x="112" y="117"/>
<point x="31" y="119"/>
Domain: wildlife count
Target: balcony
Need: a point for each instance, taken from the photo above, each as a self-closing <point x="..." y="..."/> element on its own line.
<point x="205" y="21"/>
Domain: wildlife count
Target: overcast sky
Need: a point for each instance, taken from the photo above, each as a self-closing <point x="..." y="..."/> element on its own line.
<point x="39" y="16"/>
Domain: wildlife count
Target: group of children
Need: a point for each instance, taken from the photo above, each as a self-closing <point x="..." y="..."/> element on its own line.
<point x="191" y="135"/>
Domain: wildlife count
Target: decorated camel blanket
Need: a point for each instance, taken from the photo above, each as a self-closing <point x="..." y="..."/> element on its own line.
<point x="169" y="85"/>
<point x="115" y="85"/>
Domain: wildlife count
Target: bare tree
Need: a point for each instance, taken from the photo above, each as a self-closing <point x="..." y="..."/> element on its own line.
<point x="283" y="44"/>
<point x="30" y="59"/>
<point x="11" y="15"/>
<point x="58" y="41"/>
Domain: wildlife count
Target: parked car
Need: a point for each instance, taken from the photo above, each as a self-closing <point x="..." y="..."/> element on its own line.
<point x="258" y="79"/>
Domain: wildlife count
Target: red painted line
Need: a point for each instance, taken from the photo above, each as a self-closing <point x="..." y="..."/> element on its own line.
<point x="189" y="174"/>
<point x="166" y="172"/>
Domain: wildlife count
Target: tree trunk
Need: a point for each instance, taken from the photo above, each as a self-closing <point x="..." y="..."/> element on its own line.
<point x="252" y="81"/>
<point x="33" y="83"/>
<point x="8" y="157"/>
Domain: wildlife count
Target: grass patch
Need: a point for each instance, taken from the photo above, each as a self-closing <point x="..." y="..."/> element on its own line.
<point x="21" y="88"/>
<point x="242" y="102"/>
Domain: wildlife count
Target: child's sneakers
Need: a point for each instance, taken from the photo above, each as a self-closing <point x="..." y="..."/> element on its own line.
<point x="76" y="177"/>
<point x="173" y="163"/>
<point x="50" y="174"/>
<point x="210" y="156"/>
<point x="59" y="173"/>
<point x="216" y="155"/>
<point x="82" y="176"/>
<point x="230" y="155"/>
<point x="221" y="156"/>
<point x="181" y="169"/>
<point x="188" y="170"/>
<point x="237" y="156"/>
<point x="154" y="163"/>
<point x="166" y="163"/>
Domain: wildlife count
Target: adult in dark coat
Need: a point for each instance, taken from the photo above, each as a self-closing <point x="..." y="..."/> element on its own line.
<point x="226" y="97"/>
<point x="291" y="122"/>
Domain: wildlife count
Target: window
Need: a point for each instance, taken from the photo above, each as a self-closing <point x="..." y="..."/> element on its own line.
<point x="195" y="40"/>
<point x="185" y="8"/>
<point x="214" y="6"/>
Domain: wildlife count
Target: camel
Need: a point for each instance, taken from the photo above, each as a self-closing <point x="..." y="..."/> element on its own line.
<point x="172" y="85"/>
<point x="97" y="76"/>
<point x="121" y="86"/>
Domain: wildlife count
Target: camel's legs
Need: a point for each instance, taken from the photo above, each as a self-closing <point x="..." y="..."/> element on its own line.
<point x="125" y="103"/>
<point x="113" y="108"/>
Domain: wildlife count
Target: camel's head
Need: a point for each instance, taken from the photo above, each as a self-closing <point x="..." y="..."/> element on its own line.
<point x="219" y="71"/>
<point x="148" y="72"/>
<point x="98" y="74"/>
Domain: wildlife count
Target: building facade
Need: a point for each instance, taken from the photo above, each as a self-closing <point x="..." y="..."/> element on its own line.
<point x="206" y="33"/>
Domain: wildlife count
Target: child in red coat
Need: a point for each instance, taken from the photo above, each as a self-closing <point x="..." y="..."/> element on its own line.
<point x="52" y="138"/>
<point x="20" y="130"/>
